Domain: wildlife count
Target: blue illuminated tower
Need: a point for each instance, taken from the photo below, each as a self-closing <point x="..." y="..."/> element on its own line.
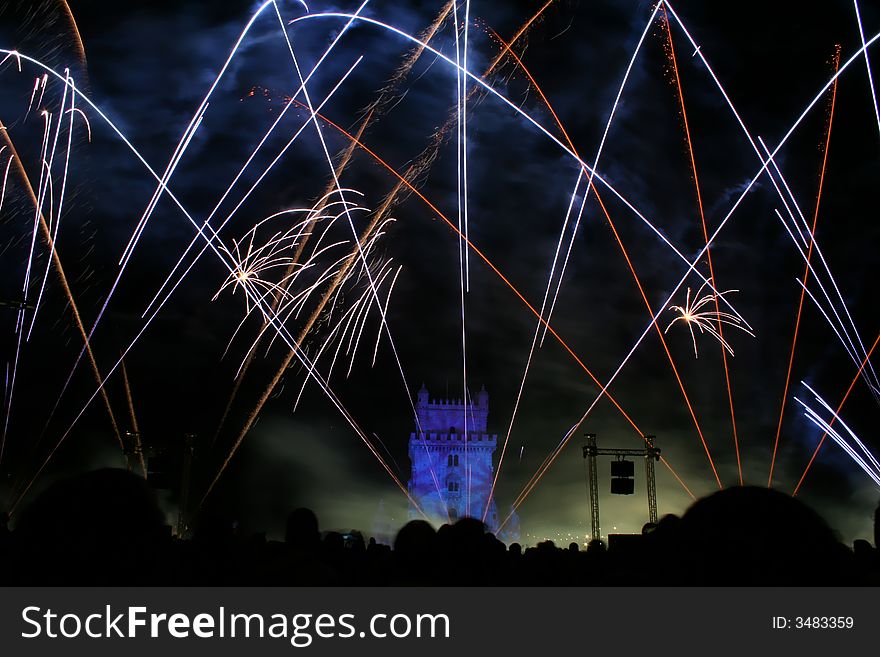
<point x="451" y="456"/>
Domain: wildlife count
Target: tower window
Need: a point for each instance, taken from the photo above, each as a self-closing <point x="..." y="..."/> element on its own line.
<point x="452" y="460"/>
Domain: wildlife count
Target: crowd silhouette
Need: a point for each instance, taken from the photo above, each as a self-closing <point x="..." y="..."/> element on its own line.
<point x="106" y="528"/>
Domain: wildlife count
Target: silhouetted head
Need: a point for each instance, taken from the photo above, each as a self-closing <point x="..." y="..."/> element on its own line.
<point x="415" y="539"/>
<point x="515" y="549"/>
<point x="302" y="530"/>
<point x="469" y="529"/>
<point x="862" y="548"/>
<point x="751" y="535"/>
<point x="101" y="526"/>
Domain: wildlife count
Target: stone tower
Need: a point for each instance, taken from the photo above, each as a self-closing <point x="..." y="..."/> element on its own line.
<point x="451" y="456"/>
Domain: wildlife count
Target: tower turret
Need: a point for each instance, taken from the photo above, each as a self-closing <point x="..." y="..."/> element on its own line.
<point x="483" y="398"/>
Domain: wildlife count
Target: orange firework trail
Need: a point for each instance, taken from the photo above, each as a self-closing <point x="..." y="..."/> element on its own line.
<point x="836" y="413"/>
<point x="65" y="285"/>
<point x="77" y="36"/>
<point x="386" y="95"/>
<point x="693" y="161"/>
<point x="797" y="321"/>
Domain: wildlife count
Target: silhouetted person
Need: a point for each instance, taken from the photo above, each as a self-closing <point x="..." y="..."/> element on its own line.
<point x="415" y="539"/>
<point x="301" y="533"/>
<point x="663" y="547"/>
<point x="355" y="542"/>
<point x="759" y="536"/>
<point x="467" y="535"/>
<point x="210" y="558"/>
<point x="303" y="541"/>
<point x="414" y="551"/>
<point x="102" y="527"/>
<point x="867" y="561"/>
<point x="863" y="550"/>
<point x="459" y="549"/>
<point x="333" y="554"/>
<point x="378" y="564"/>
<point x="493" y="561"/>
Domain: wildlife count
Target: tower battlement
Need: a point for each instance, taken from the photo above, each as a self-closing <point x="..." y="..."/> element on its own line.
<point x="452" y="415"/>
<point x="485" y="440"/>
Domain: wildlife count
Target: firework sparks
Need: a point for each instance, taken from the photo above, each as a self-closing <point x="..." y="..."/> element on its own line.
<point x="706" y="321"/>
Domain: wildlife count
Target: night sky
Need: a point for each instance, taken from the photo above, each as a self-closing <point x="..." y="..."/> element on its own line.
<point x="148" y="65"/>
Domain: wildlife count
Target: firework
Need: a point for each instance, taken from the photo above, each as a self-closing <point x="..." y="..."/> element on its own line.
<point x="706" y="321"/>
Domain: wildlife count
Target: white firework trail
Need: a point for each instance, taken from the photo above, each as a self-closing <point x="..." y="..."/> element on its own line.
<point x="866" y="460"/>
